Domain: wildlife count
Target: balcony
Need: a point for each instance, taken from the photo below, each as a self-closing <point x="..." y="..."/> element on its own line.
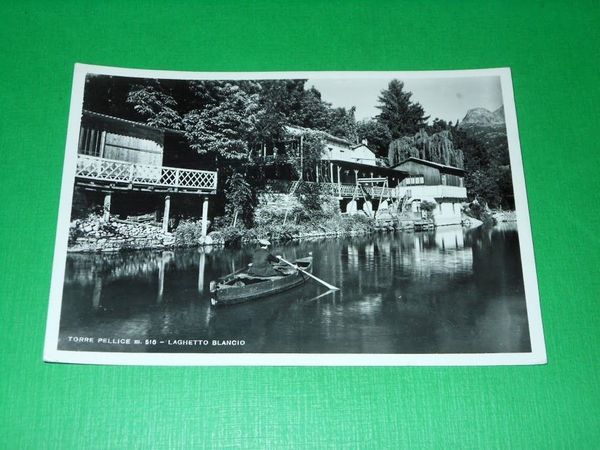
<point x="438" y="191"/>
<point x="112" y="174"/>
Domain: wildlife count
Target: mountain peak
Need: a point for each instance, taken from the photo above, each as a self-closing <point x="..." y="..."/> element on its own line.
<point x="483" y="117"/>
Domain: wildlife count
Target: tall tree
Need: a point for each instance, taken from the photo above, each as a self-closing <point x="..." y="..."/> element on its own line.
<point x="398" y="113"/>
<point x="314" y="112"/>
<point x="401" y="149"/>
<point x="376" y="134"/>
<point x="342" y="123"/>
<point x="226" y="129"/>
<point x="156" y="106"/>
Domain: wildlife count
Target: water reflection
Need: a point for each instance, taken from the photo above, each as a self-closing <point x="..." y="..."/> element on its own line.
<point x="447" y="290"/>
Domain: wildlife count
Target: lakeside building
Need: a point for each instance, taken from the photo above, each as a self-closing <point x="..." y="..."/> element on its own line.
<point x="345" y="166"/>
<point x="142" y="164"/>
<point x="131" y="167"/>
<point x="433" y="182"/>
<point x="351" y="171"/>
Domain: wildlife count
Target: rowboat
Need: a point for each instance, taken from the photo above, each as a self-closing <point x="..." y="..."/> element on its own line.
<point x="240" y="286"/>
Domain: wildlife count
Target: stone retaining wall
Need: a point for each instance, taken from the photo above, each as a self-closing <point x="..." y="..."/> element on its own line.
<point x="116" y="243"/>
<point x="93" y="235"/>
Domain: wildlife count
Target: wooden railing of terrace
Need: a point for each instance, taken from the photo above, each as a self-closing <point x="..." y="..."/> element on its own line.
<point x="350" y="190"/>
<point x="100" y="173"/>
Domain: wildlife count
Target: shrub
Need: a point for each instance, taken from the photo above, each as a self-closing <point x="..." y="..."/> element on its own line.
<point x="358" y="224"/>
<point x="310" y="196"/>
<point x="188" y="232"/>
<point x="232" y="235"/>
<point x="75" y="232"/>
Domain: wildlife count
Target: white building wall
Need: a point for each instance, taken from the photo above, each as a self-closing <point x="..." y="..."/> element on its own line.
<point x="448" y="199"/>
<point x="360" y="155"/>
<point x="439" y="191"/>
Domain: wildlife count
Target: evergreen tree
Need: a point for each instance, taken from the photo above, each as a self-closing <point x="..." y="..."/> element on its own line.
<point x="398" y="113"/>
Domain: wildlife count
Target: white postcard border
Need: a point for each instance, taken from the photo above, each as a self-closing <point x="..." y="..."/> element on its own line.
<point x="52" y="354"/>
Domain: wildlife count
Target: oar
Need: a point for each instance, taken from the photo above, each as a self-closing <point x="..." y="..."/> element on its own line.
<point x="327" y="285"/>
<point x="319" y="296"/>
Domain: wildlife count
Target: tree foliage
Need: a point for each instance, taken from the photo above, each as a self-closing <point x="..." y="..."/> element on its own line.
<point x="227" y="129"/>
<point x="240" y="199"/>
<point x="398" y="113"/>
<point x="376" y="134"/>
<point x="156" y="106"/>
<point x="437" y="147"/>
<point x="226" y="121"/>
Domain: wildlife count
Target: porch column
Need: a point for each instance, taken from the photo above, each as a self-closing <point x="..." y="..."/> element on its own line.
<point x="106" y="211"/>
<point x="165" y="223"/>
<point x="302" y="161"/>
<point x="102" y="144"/>
<point x="339" y="179"/>
<point x="331" y="171"/>
<point x="204" y="216"/>
<point x="317" y="169"/>
<point x="356" y="176"/>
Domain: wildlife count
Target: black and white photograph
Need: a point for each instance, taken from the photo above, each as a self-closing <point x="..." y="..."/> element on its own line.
<point x="293" y="218"/>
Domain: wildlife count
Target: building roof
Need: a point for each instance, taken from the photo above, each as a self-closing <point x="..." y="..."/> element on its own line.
<point x="132" y="123"/>
<point x="293" y="129"/>
<point x="441" y="167"/>
<point x="369" y="168"/>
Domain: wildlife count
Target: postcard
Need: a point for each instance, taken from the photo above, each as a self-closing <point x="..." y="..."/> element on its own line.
<point x="293" y="218"/>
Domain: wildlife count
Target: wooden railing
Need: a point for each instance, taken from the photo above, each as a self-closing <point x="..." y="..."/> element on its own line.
<point x="438" y="191"/>
<point x="135" y="175"/>
<point x="349" y="190"/>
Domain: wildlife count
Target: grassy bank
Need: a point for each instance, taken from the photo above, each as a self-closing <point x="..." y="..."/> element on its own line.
<point x="284" y="218"/>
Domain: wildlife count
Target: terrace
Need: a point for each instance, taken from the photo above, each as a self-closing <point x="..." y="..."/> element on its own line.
<point x="96" y="172"/>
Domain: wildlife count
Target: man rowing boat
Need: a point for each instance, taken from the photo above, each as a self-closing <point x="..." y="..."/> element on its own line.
<point x="262" y="261"/>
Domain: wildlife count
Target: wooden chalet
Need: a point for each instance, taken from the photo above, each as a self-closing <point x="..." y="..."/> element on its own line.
<point x="119" y="155"/>
<point x="433" y="182"/>
<point x="349" y="169"/>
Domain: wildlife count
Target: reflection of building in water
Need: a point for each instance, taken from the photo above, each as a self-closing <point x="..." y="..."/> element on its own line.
<point x="441" y="251"/>
<point x="149" y="267"/>
<point x="449" y="238"/>
<point x="164" y="259"/>
<point x="82" y="268"/>
<point x="353" y="258"/>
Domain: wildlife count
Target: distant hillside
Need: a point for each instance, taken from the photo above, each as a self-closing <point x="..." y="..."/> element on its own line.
<point x="487" y="127"/>
<point x="482" y="137"/>
<point x="481" y="117"/>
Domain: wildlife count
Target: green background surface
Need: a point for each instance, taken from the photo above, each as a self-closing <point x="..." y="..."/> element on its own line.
<point x="553" y="50"/>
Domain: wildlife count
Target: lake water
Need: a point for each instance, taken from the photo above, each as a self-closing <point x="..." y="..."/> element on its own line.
<point x="445" y="291"/>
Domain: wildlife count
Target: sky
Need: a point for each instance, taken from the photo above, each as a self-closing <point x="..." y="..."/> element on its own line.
<point x="444" y="98"/>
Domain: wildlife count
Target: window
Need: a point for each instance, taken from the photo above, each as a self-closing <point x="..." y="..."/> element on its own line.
<point x="417" y="179"/>
<point x="91" y="142"/>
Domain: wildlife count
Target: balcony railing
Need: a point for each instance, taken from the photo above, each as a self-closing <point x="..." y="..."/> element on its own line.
<point x="133" y="175"/>
<point x="438" y="191"/>
<point x="349" y="190"/>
